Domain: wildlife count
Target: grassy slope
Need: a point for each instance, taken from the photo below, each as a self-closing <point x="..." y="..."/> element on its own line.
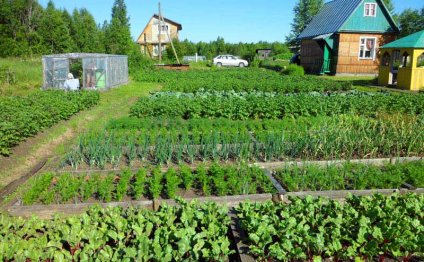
<point x="28" y="74"/>
<point x="53" y="141"/>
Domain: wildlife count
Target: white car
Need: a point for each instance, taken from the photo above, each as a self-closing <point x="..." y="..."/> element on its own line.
<point x="229" y="60"/>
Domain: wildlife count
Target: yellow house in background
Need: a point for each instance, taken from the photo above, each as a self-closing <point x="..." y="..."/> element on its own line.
<point x="402" y="63"/>
<point x="149" y="37"/>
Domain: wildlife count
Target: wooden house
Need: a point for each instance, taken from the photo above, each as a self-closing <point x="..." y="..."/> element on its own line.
<point x="345" y="37"/>
<point x="149" y="37"/>
<point x="263" y="53"/>
<point x="402" y="63"/>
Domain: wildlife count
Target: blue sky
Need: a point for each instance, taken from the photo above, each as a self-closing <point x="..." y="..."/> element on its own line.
<point x="205" y="20"/>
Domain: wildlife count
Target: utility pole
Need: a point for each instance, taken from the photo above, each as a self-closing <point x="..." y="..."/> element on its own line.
<point x="160" y="31"/>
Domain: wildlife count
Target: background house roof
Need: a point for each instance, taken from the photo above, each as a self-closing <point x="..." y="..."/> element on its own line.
<point x="412" y="41"/>
<point x="331" y="17"/>
<point x="179" y="26"/>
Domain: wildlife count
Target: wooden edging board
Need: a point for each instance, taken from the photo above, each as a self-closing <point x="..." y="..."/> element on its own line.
<point x="372" y="161"/>
<point x="48" y="211"/>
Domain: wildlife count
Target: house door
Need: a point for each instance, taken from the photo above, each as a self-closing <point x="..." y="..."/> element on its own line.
<point x="394" y="67"/>
<point x="326" y="64"/>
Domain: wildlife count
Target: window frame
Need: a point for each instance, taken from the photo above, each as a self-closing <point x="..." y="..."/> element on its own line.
<point x="374" y="51"/>
<point x="369" y="9"/>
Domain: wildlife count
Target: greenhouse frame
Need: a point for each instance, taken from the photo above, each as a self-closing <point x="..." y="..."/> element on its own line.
<point x="94" y="71"/>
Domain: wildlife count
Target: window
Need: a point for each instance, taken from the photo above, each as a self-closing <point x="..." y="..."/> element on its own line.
<point x="385" y="61"/>
<point x="163" y="28"/>
<point x="420" y="61"/>
<point x="406" y="61"/>
<point x="396" y="59"/>
<point x="370" y="9"/>
<point x="367" y="48"/>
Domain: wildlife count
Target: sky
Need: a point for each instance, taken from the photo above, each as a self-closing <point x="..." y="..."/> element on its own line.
<point x="205" y="20"/>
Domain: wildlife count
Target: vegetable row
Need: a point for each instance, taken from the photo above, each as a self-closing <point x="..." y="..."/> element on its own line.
<point x="23" y="117"/>
<point x="361" y="229"/>
<point x="343" y="137"/>
<point x="249" y="80"/>
<point x="187" y="232"/>
<point x="216" y="180"/>
<point x="276" y="107"/>
<point x="351" y="176"/>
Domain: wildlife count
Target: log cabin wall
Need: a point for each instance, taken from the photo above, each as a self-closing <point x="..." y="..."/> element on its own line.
<point x="311" y="56"/>
<point x="348" y="61"/>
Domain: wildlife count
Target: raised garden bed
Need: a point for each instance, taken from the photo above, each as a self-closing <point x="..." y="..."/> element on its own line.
<point x="145" y="184"/>
<point x="173" y="233"/>
<point x="384" y="228"/>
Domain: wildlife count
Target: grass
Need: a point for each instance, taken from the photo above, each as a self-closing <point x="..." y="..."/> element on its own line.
<point x="28" y="75"/>
<point x="113" y="104"/>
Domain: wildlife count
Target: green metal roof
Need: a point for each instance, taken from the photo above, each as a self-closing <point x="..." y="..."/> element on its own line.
<point x="334" y="15"/>
<point x="412" y="41"/>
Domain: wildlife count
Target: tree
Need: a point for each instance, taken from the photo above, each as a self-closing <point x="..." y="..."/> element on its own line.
<point x="118" y="36"/>
<point x="19" y="20"/>
<point x="411" y="21"/>
<point x="85" y="32"/>
<point x="389" y="5"/>
<point x="304" y="11"/>
<point x="54" y="31"/>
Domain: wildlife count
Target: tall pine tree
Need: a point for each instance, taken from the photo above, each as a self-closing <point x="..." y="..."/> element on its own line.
<point x="304" y="11"/>
<point x="118" y="36"/>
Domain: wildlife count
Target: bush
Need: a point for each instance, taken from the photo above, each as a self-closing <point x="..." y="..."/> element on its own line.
<point x="294" y="70"/>
<point x="137" y="61"/>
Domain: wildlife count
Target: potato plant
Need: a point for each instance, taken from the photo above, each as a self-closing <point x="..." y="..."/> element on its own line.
<point x="25" y="116"/>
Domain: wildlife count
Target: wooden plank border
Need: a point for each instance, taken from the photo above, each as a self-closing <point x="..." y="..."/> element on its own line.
<point x="48" y="211"/>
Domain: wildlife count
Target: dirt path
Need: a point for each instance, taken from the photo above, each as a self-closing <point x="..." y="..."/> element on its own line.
<point x="52" y="143"/>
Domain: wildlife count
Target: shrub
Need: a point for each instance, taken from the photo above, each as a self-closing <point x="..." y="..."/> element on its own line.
<point x="294" y="70"/>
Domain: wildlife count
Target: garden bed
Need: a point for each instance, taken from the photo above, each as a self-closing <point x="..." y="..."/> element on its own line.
<point x="82" y="189"/>
<point x="309" y="229"/>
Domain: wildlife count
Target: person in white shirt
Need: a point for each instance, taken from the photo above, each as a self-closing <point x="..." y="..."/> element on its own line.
<point x="71" y="84"/>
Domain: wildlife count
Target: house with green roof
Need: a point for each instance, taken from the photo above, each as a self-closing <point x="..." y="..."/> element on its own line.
<point x="402" y="63"/>
<point x="345" y="37"/>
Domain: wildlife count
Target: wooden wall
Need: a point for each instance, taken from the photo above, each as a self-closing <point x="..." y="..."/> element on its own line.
<point x="348" y="61"/>
<point x="311" y="56"/>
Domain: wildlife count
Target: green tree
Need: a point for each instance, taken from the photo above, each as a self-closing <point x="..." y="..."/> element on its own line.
<point x="54" y="31"/>
<point x="118" y="36"/>
<point x="19" y="20"/>
<point x="303" y="11"/>
<point x="389" y="5"/>
<point x="85" y="32"/>
<point x="411" y="21"/>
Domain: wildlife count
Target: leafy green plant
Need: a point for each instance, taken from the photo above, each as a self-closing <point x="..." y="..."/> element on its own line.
<point x="25" y="116"/>
<point x="106" y="187"/>
<point x="363" y="228"/>
<point x="155" y="183"/>
<point x="204" y="180"/>
<point x="172" y="182"/>
<point x="139" y="183"/>
<point x="123" y="184"/>
<point x="187" y="176"/>
<point x="294" y="70"/>
<point x="188" y="231"/>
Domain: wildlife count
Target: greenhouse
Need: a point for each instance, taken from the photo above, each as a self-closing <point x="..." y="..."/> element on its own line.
<point x="89" y="71"/>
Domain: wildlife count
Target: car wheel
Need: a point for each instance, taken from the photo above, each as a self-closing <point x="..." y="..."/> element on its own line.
<point x="218" y="64"/>
<point x="241" y="65"/>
